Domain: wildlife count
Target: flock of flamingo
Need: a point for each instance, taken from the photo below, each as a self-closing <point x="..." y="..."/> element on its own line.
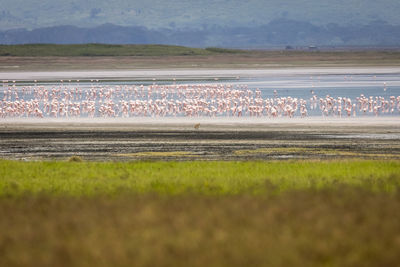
<point x="190" y="100"/>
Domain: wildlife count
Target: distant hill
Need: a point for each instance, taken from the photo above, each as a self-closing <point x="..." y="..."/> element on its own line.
<point x="279" y="32"/>
<point x="192" y="14"/>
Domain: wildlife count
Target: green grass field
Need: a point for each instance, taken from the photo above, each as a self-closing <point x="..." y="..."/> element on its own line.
<point x="284" y="213"/>
<point x="172" y="178"/>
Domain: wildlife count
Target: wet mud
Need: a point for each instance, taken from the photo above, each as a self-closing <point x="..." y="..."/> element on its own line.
<point x="280" y="142"/>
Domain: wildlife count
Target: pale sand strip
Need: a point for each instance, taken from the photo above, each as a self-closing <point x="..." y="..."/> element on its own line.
<point x="375" y="124"/>
<point x="190" y="73"/>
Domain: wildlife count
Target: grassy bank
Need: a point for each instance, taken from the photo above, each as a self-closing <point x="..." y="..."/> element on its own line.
<point x="43" y="50"/>
<point x="195" y="177"/>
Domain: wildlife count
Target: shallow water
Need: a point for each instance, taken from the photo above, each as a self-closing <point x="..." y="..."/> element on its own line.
<point x="300" y="83"/>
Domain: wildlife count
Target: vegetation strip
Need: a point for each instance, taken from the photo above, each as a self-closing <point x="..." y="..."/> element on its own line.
<point x="108" y="50"/>
<point x="198" y="177"/>
<point x="378" y="57"/>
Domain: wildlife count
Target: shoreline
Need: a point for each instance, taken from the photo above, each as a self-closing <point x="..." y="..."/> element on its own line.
<point x="310" y="124"/>
<point x="388" y="120"/>
<point x="192" y="73"/>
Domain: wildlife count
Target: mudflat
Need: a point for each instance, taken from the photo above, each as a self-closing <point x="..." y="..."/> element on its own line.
<point x="200" y="138"/>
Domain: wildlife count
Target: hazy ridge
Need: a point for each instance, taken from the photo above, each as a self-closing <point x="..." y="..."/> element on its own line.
<point x="277" y="33"/>
<point x="182" y="14"/>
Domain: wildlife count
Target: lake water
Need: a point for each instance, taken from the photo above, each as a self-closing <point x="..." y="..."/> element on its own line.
<point x="297" y="83"/>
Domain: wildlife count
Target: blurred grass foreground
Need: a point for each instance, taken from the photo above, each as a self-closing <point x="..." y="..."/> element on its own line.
<point x="295" y="213"/>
